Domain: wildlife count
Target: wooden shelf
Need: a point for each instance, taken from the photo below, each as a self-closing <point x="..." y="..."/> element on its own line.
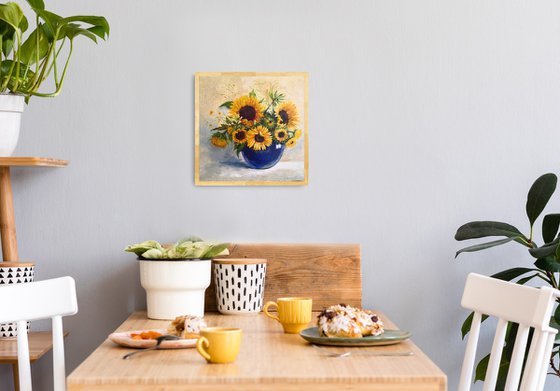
<point x="40" y="342"/>
<point x="7" y="220"/>
<point x="32" y="161"/>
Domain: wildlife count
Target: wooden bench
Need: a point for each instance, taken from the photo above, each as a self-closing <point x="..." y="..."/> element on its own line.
<point x="328" y="273"/>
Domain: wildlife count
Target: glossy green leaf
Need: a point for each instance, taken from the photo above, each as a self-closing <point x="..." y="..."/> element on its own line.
<point x="141" y="248"/>
<point x="7" y="34"/>
<point x="523" y="281"/>
<point x="510" y="274"/>
<point x="52" y="22"/>
<point x="481" y="229"/>
<point x="12" y="14"/>
<point x="7" y="46"/>
<point x="99" y="22"/>
<point x="155" y="253"/>
<point x="226" y="105"/>
<point x="550" y="264"/>
<point x="216" y="250"/>
<point x="483" y="246"/>
<point x="39" y="4"/>
<point x="480" y="372"/>
<point x="23" y="69"/>
<point x="539" y="195"/>
<point x="97" y="30"/>
<point x="28" y="52"/>
<point x="557" y="318"/>
<point x="72" y="30"/>
<point x="545" y="251"/>
<point x="550" y="226"/>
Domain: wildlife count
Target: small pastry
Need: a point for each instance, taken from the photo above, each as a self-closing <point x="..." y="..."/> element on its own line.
<point x="342" y="320"/>
<point x="186" y="326"/>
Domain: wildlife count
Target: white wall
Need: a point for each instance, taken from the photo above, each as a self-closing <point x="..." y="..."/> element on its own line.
<point x="423" y="115"/>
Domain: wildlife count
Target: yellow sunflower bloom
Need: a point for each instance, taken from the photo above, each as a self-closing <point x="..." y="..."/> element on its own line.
<point x="281" y="134"/>
<point x="297" y="134"/>
<point x="287" y="114"/>
<point x="239" y="136"/>
<point x="218" y="142"/>
<point x="291" y="142"/>
<point x="259" y="138"/>
<point x="248" y="109"/>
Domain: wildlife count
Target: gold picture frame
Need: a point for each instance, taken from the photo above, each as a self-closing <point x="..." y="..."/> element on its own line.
<point x="251" y="129"/>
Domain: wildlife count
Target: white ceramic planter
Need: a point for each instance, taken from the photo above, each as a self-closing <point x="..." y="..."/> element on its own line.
<point x="239" y="285"/>
<point x="176" y="287"/>
<point x="11" y="107"/>
<point x="14" y="273"/>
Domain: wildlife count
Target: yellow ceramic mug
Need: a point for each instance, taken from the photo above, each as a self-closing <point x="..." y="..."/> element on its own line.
<point x="219" y="345"/>
<point x="294" y="313"/>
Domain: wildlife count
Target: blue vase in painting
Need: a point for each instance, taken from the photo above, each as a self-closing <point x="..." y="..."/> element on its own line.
<point x="263" y="159"/>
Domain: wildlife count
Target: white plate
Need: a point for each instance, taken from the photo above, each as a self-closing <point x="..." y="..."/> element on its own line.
<point x="125" y="339"/>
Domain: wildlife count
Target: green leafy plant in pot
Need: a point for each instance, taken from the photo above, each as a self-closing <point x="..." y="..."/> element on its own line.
<point x="30" y="57"/>
<point x="545" y="265"/>
<point x="175" y="277"/>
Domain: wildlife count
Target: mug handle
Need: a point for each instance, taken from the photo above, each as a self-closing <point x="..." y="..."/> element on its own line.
<point x="201" y="345"/>
<point x="265" y="309"/>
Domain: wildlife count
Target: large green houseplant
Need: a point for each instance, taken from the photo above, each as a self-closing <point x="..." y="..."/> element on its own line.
<point x="545" y="263"/>
<point x="30" y="57"/>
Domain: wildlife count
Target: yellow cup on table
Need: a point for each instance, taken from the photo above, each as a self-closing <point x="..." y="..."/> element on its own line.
<point x="219" y="345"/>
<point x="294" y="313"/>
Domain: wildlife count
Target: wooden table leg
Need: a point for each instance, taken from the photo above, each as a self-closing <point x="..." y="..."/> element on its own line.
<point x="7" y="219"/>
<point x="15" y="372"/>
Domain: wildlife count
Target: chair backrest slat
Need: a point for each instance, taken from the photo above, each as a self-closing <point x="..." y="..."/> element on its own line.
<point x="470" y="353"/>
<point x="509" y="302"/>
<point x="53" y="299"/>
<point x="495" y="356"/>
<point x="514" y="373"/>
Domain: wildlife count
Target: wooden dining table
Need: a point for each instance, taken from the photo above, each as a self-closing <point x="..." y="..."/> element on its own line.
<point x="268" y="360"/>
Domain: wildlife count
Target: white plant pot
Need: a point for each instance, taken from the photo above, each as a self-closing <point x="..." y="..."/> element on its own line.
<point x="11" y="107"/>
<point x="175" y="288"/>
<point x="14" y="273"/>
<point x="239" y="285"/>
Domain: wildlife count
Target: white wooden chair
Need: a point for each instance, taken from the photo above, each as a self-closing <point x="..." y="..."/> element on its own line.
<point x="510" y="302"/>
<point x="39" y="300"/>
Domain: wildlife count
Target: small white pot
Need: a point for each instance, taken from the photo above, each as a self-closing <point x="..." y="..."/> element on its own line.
<point x="11" y="107"/>
<point x="175" y="288"/>
<point x="14" y="273"/>
<point x="239" y="285"/>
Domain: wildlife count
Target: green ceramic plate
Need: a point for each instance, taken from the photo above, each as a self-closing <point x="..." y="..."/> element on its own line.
<point x="389" y="337"/>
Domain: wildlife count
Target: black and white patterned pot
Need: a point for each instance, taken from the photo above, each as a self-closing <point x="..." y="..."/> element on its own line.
<point x="239" y="285"/>
<point x="14" y="273"/>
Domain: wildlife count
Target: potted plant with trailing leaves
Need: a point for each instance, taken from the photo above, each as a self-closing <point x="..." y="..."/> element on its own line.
<point x="30" y="57"/>
<point x="545" y="265"/>
<point x="175" y="277"/>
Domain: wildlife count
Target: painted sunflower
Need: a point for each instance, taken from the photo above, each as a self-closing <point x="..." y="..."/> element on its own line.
<point x="259" y="138"/>
<point x="218" y="142"/>
<point x="291" y="142"/>
<point x="248" y="109"/>
<point x="297" y="134"/>
<point x="287" y="114"/>
<point x="281" y="134"/>
<point x="239" y="136"/>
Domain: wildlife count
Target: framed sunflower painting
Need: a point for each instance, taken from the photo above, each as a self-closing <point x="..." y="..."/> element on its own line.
<point x="251" y="129"/>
